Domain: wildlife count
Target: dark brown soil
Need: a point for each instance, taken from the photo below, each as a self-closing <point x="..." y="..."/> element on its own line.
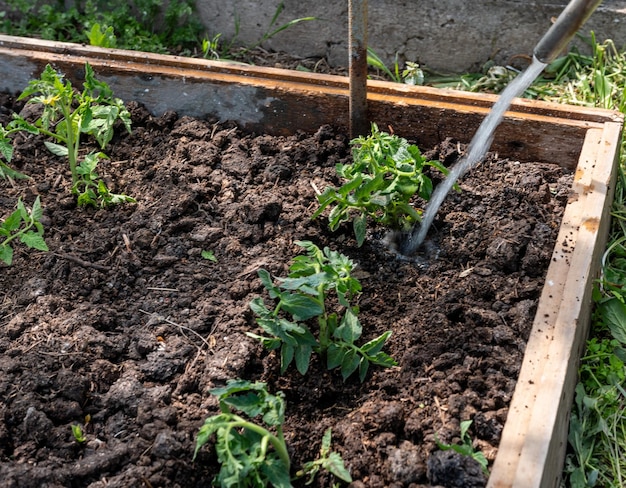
<point x="122" y="327"/>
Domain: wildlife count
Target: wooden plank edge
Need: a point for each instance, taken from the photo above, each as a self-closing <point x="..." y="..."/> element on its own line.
<point x="534" y="439"/>
<point x="382" y="88"/>
<point x="523" y="400"/>
<point x="258" y="102"/>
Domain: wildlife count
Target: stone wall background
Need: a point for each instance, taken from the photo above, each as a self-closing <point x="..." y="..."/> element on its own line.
<point x="442" y="35"/>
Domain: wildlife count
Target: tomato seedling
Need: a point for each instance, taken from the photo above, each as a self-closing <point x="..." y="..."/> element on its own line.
<point x="328" y="460"/>
<point x="66" y="116"/>
<point x="254" y="453"/>
<point x="25" y="225"/>
<point x="381" y="182"/>
<point x="243" y="445"/>
<point x="304" y="295"/>
<point x="6" y="152"/>
<point x="466" y="447"/>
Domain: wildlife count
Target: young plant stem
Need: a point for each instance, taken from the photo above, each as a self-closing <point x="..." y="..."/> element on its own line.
<point x="277" y="441"/>
<point x="324" y="337"/>
<point x="72" y="145"/>
<point x="13" y="236"/>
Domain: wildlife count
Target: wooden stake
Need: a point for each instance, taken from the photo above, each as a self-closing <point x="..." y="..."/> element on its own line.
<point x="359" y="123"/>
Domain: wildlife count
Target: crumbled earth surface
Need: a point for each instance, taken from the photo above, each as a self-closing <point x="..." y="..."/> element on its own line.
<point x="123" y="327"/>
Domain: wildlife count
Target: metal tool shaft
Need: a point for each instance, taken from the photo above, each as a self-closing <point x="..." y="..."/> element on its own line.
<point x="567" y="24"/>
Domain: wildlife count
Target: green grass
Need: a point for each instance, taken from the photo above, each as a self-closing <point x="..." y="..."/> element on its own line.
<point x="141" y="25"/>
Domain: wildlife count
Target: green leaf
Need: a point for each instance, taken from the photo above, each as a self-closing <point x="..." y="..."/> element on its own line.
<point x="288" y="332"/>
<point x="306" y="284"/>
<point x="302" y="307"/>
<point x="375" y="345"/>
<point x="248" y="402"/>
<point x="6" y="254"/>
<point x="276" y="472"/>
<point x="270" y="343"/>
<point x="56" y="149"/>
<point x="36" y="212"/>
<point x="349" y="363"/>
<point x="21" y="208"/>
<point x="326" y="439"/>
<point x="257" y="305"/>
<point x="34" y="240"/>
<point x="6" y="148"/>
<point x="266" y="280"/>
<point x="287" y="352"/>
<point x="8" y="172"/>
<point x="209" y="256"/>
<point x="382" y="359"/>
<point x="350" y="328"/>
<point x="334" y="356"/>
<point x="336" y="467"/>
<point x="364" y="366"/>
<point x="614" y="313"/>
<point x="359" y="225"/>
<point x="235" y="386"/>
<point x="13" y="221"/>
<point x="86" y="198"/>
<point x="303" y="358"/>
<point x="78" y="433"/>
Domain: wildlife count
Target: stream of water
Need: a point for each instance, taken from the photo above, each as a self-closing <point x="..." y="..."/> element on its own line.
<point x="477" y="149"/>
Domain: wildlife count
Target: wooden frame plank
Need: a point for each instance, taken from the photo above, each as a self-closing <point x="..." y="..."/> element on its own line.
<point x="535" y="434"/>
<point x="279" y="101"/>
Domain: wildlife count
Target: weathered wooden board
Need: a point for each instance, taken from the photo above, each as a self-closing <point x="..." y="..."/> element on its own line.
<point x="533" y="443"/>
<point x="279" y="101"/>
<point x="534" y="439"/>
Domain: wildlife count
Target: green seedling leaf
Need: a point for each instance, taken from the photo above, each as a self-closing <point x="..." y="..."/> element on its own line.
<point x="209" y="256"/>
<point x="250" y="452"/>
<point x="334" y="356"/>
<point x="302" y="297"/>
<point x="381" y="185"/>
<point x="335" y="466"/>
<point x="349" y="363"/>
<point x="302" y="307"/>
<point x="68" y="115"/>
<point x="266" y="280"/>
<point x="24" y="225"/>
<point x="303" y="354"/>
<point x="6" y="254"/>
<point x="78" y="433"/>
<point x="374" y="346"/>
<point x="466" y="447"/>
<point x="6" y="148"/>
<point x="360" y="227"/>
<point x="102" y="36"/>
<point x="614" y="313"/>
<point x="8" y="172"/>
<point x="56" y="149"/>
<point x="350" y="328"/>
<point x="34" y="240"/>
<point x="13" y="221"/>
<point x="327" y="460"/>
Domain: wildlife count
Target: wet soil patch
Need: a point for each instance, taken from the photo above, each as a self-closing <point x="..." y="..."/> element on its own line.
<point x="123" y="327"/>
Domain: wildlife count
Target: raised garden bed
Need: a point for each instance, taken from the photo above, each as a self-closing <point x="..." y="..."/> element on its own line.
<point x="108" y="323"/>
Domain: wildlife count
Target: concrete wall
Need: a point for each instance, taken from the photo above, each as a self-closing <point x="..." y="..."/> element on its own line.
<point x="443" y="35"/>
